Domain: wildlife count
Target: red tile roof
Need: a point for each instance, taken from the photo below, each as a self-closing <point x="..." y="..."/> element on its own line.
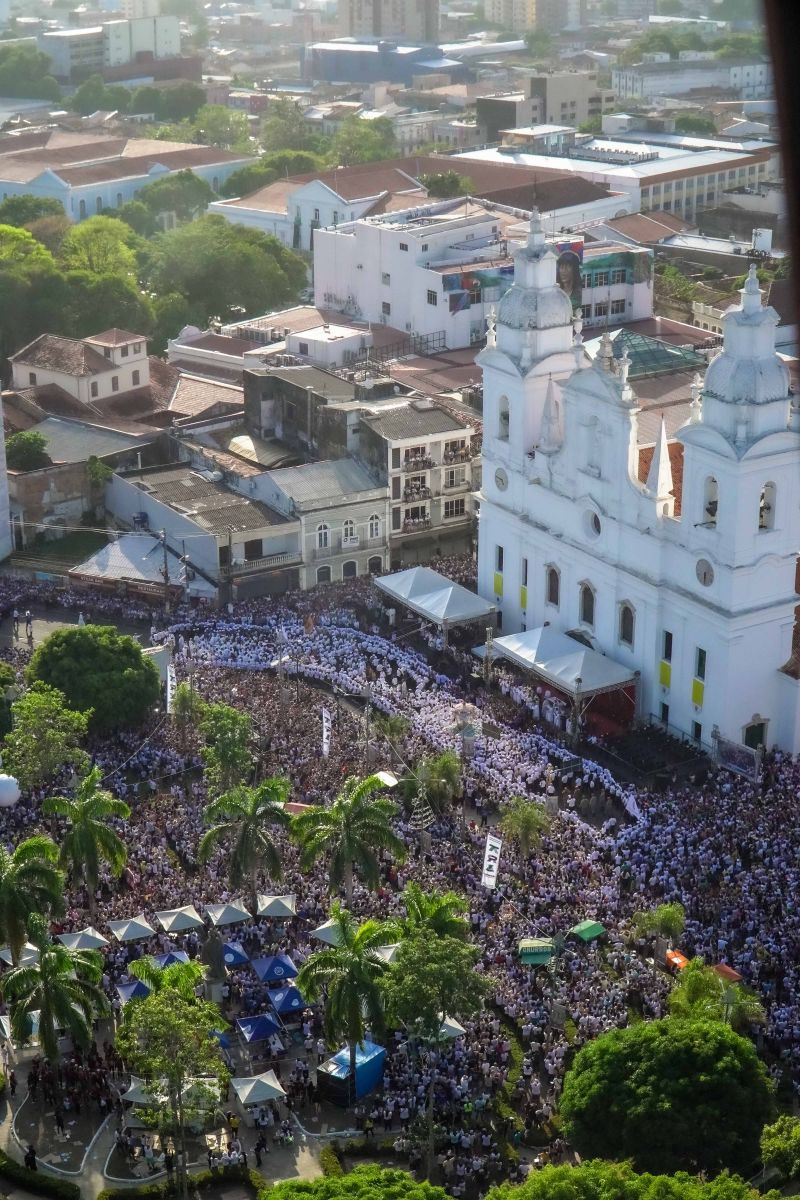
<point x="676" y="462"/>
<point x="52" y="353"/>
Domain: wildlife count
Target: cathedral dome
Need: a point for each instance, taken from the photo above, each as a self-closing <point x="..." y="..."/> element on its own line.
<point x="747" y="380"/>
<point x="529" y="308"/>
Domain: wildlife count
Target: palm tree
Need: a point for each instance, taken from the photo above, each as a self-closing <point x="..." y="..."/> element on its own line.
<point x="523" y="822"/>
<point x="439" y="778"/>
<point x="393" y="727"/>
<point x="350" y="833"/>
<point x="349" y="975"/>
<point x="435" y="913"/>
<point x="741" y="1007"/>
<point x="30" y="882"/>
<point x="64" y="986"/>
<point x="244" y="818"/>
<point x="667" y="920"/>
<point x="182" y="977"/>
<point x="89" y="839"/>
<point x="700" y="992"/>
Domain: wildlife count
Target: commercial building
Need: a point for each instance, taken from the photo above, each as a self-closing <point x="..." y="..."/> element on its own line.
<point x="90" y="172"/>
<point x="407" y="20"/>
<point x="377" y="62"/>
<point x="746" y="79"/>
<point x="76" y="53"/>
<point x="569" y="97"/>
<point x="681" y="570"/>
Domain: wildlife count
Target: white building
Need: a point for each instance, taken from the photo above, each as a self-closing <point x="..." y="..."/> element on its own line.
<point x="112" y="44"/>
<point x="749" y="80"/>
<point x="694" y="586"/>
<point x="5" y="514"/>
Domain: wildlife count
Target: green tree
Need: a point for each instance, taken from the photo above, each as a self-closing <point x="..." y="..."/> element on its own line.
<point x="45" y="738"/>
<point x="187" y="709"/>
<point x="95" y="662"/>
<point x="433" y="914"/>
<point x="218" y="125"/>
<point x="167" y="1038"/>
<point x="170" y="313"/>
<point x="780" y="1146"/>
<point x="183" y="977"/>
<point x="8" y="690"/>
<point x="50" y="231"/>
<point x="182" y="193"/>
<point x="30" y="883"/>
<point x="700" y="992"/>
<point x="19" y="246"/>
<point x="438" y="777"/>
<point x="670" y="1095"/>
<point x="667" y="921"/>
<point x="593" y="125"/>
<point x="63" y="986"/>
<point x="182" y="102"/>
<point x="540" y="44"/>
<point x="349" y="976"/>
<point x="618" y="1181"/>
<point x="21" y="210"/>
<point x="363" y="1183"/>
<point x="359" y="141"/>
<point x="110" y="301"/>
<point x="243" y="823"/>
<point x="393" y="728"/>
<point x="524" y="822"/>
<point x="27" y="451"/>
<point x="447" y="184"/>
<point x="688" y="123"/>
<point x="25" y="73"/>
<point x="89" y="839"/>
<point x="101" y="246"/>
<point x="140" y="218"/>
<point x="285" y="128"/>
<point x="350" y="834"/>
<point x="226" y="755"/>
<point x="278" y="164"/>
<point x="430" y="979"/>
<point x="91" y="96"/>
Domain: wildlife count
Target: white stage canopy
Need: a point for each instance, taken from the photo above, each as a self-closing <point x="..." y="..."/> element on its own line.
<point x="558" y="659"/>
<point x="257" y="1089"/>
<point x="177" y="920"/>
<point x="435" y="598"/>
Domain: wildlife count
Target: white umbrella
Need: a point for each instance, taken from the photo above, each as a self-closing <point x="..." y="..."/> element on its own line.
<point x="328" y="933"/>
<point x="227" y="914"/>
<point x="277" y="906"/>
<point x="257" y="1089"/>
<point x="85" y="939"/>
<point x="451" y="1028"/>
<point x="134" y="929"/>
<point x="177" y="920"/>
<point x="29" y="955"/>
<point x="5" y="1028"/>
<point x="388" y="953"/>
<point x="140" y="1093"/>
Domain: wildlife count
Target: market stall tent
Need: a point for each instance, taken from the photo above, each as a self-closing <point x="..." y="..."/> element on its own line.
<point x="257" y="1089"/>
<point x="85" y="939"/>
<point x="334" y="1080"/>
<point x="536" y="951"/>
<point x="286" y="1000"/>
<point x="234" y="954"/>
<point x="228" y="914"/>
<point x="178" y="920"/>
<point x="257" y="1029"/>
<point x="276" y="966"/>
<point x="327" y="932"/>
<point x="436" y="598"/>
<point x="587" y="931"/>
<point x="276" y="906"/>
<point x="134" y="929"/>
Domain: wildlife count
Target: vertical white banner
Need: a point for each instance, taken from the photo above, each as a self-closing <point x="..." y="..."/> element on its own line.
<point x="326" y="732"/>
<point x="491" y="861"/>
<point x="172" y="683"/>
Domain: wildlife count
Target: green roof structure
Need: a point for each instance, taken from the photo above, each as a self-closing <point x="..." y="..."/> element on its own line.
<point x="648" y="355"/>
<point x="536" y="952"/>
<point x="587" y="931"/>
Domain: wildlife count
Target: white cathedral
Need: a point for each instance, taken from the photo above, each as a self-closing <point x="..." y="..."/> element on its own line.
<point x="699" y="596"/>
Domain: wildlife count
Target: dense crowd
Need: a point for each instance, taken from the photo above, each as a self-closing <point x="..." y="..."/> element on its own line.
<point x="728" y="849"/>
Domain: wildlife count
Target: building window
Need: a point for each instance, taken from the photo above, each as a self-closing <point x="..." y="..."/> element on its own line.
<point x="374" y="526"/>
<point x="454" y="508"/>
<point x="32" y="378"/>
<point x="323" y="536"/>
<point x="316" y="214"/>
<point x="424" y="247"/>
<point x="697" y="730"/>
<point x="137" y="349"/>
<point x="666" y="646"/>
<point x="601" y="279"/>
<point x="620" y="275"/>
<point x="136" y="377"/>
<point x="99" y="204"/>
<point x="94" y="390"/>
<point x="626" y="624"/>
<point x="386" y="308"/>
<point x="502" y="418"/>
<point x="601" y="310"/>
<point x="710" y="503"/>
<point x="349" y="570"/>
<point x="699" y="663"/>
<point x="386" y="278"/>
<point x="432" y="297"/>
<point x="115" y="383"/>
<point x="323" y="574"/>
<point x="375" y="565"/>
<point x="302" y="348"/>
<point x="335" y="217"/>
<point x="455" y="476"/>
<point x="553" y="591"/>
<point x="349" y="531"/>
<point x="475" y="294"/>
<point x="82" y="210"/>
<point x="119" y="199"/>
<point x="524" y="573"/>
<point x="499" y="555"/>
<point x="404" y="245"/>
<point x="617" y="308"/>
<point x="766" y="507"/>
<point x="587" y="604"/>
<point x="664" y="714"/>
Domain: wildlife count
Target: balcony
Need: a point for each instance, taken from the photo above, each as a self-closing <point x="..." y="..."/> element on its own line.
<point x="463" y="485"/>
<point x="424" y="463"/>
<point x="457" y="456"/>
<point x="417" y="525"/>
<point x="268" y="563"/>
<point x="410" y="494"/>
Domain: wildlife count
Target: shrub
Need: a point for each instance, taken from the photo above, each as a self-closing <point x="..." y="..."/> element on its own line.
<point x="330" y="1162"/>
<point x="39" y="1182"/>
<point x="251" y="1178"/>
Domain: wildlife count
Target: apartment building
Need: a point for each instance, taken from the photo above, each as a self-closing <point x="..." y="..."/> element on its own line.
<point x="74" y="53"/>
<point x="570" y="97"/>
<point x="748" y="79"/>
<point x="412" y="21"/>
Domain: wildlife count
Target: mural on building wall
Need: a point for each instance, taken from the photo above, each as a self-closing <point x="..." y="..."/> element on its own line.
<point x="568" y="269"/>
<point x="465" y="288"/>
<point x="637" y="266"/>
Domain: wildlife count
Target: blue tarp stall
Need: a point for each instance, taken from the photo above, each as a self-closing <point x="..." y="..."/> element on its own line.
<point x="132" y="991"/>
<point x="277" y="967"/>
<point x="286" y="1001"/>
<point x="171" y="957"/>
<point x="257" y="1029"/>
<point x="333" y="1076"/>
<point x="233" y="954"/>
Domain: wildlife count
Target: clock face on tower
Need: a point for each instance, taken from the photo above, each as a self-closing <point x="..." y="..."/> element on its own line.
<point x="501" y="479"/>
<point x="705" y="572"/>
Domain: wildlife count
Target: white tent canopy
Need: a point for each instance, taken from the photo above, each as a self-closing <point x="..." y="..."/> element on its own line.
<point x="228" y="914"/>
<point x="140" y="1093"/>
<point x="388" y="953"/>
<point x="85" y="939"/>
<point x="29" y="955"/>
<point x="327" y="932"/>
<point x="451" y="1028"/>
<point x="435" y="597"/>
<point x="177" y="920"/>
<point x="560" y="660"/>
<point x="134" y="929"/>
<point x="277" y="906"/>
<point x="257" y="1089"/>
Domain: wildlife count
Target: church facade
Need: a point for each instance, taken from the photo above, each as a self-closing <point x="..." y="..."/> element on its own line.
<point x="697" y="592"/>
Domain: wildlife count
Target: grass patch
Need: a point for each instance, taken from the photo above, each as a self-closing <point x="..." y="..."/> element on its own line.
<point x="72" y="547"/>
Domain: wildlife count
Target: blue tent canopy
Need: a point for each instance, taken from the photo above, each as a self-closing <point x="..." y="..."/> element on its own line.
<point x="277" y="967"/>
<point x="257" y="1029"/>
<point x="132" y="991"/>
<point x="171" y="957"/>
<point x="233" y="954"/>
<point x="286" y="1000"/>
<point x="222" y="1038"/>
<point x="369" y="1066"/>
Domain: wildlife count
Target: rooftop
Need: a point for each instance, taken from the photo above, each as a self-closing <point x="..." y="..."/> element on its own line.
<point x="648" y="355"/>
<point x="656" y="160"/>
<point x="115" y="337"/>
<point x="194" y="395"/>
<point x="318" y="484"/>
<point x="133" y="557"/>
<point x="414" y="420"/>
<point x="206" y="502"/>
<point x="50" y="352"/>
<point x="75" y="441"/>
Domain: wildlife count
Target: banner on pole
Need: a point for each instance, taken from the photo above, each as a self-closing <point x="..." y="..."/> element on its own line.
<point x="491" y="861"/>
<point x="172" y="684"/>
<point x="326" y="732"/>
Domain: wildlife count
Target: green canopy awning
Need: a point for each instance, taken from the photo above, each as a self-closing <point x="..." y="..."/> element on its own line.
<point x="536" y="951"/>
<point x="587" y="931"/>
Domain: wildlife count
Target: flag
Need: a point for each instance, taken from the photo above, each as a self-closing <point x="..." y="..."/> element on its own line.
<point x="491" y="861"/>
<point x="326" y="732"/>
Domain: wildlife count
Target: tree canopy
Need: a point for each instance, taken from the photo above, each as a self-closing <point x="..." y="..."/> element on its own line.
<point x="25" y="73"/>
<point x="359" y="141"/>
<point x="27" y="451"/>
<point x="669" y="1095"/>
<point x="363" y="1183"/>
<point x="597" y="1180"/>
<point x="275" y="165"/>
<point x="94" y="665"/>
<point x="45" y="738"/>
<point x="780" y="1146"/>
<point x="21" y="210"/>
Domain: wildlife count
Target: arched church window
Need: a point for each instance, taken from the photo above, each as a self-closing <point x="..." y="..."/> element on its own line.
<point x="502" y="418"/>
<point x="766" y="507"/>
<point x="587" y="604"/>
<point x="627" y="621"/>
<point x="553" y="586"/>
<point x="710" y="502"/>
